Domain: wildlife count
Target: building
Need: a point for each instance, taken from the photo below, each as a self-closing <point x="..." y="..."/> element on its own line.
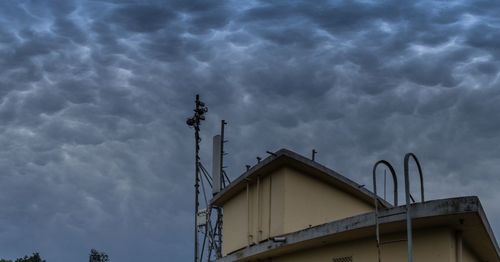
<point x="289" y="208"/>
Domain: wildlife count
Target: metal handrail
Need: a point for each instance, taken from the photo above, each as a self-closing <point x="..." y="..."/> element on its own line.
<point x="407" y="182"/>
<point x="394" y="180"/>
<point x="375" y="196"/>
<point x="407" y="194"/>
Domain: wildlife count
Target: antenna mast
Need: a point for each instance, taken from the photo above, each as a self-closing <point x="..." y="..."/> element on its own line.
<point x="225" y="181"/>
<point x="225" y="178"/>
<point x="195" y="121"/>
<point x="208" y="219"/>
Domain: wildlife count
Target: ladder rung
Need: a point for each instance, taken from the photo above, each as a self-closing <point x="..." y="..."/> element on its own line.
<point x="393" y="214"/>
<point x="393" y="241"/>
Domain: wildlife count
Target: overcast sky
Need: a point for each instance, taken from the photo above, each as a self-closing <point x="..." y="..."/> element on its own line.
<point x="95" y="152"/>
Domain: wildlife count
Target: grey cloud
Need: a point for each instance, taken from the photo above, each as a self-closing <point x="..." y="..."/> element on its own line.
<point x="94" y="97"/>
<point x="66" y="28"/>
<point x="483" y="36"/>
<point x="142" y="18"/>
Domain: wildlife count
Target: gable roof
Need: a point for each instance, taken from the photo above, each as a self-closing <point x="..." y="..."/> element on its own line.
<point x="285" y="157"/>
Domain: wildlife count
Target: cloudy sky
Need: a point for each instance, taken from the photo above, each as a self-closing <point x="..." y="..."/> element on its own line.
<point x="95" y="153"/>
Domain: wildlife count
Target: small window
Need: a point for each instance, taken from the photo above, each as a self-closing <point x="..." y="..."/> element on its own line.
<point x="342" y="259"/>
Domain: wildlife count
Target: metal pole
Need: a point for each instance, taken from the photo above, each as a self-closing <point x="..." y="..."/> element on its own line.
<point x="219" y="210"/>
<point x="394" y="180"/>
<point x="197" y="178"/>
<point x="222" y="125"/>
<point x="195" y="121"/>
<point x="385" y="184"/>
<point x="375" y="197"/>
<point x="407" y="193"/>
<point x="409" y="233"/>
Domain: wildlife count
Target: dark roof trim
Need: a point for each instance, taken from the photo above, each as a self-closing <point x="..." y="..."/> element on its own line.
<point x="287" y="157"/>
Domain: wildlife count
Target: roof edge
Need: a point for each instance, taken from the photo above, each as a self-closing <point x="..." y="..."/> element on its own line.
<point x="486" y="224"/>
<point x="280" y="157"/>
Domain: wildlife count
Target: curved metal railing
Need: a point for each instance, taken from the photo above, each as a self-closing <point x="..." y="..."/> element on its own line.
<point x="375" y="196"/>
<point x="409" y="233"/>
<point x="408" y="196"/>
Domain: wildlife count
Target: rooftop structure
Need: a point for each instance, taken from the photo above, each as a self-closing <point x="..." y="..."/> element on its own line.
<point x="290" y="208"/>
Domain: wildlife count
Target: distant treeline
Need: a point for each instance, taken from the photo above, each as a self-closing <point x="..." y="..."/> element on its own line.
<point x="33" y="258"/>
<point x="94" y="256"/>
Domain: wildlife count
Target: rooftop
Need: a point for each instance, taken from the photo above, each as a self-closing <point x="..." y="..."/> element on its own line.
<point x="286" y="157"/>
<point x="463" y="213"/>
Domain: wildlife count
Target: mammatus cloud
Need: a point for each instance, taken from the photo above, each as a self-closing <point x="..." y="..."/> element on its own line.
<point x="94" y="94"/>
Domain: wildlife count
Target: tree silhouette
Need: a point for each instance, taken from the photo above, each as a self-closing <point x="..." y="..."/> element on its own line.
<point x="97" y="256"/>
<point x="33" y="258"/>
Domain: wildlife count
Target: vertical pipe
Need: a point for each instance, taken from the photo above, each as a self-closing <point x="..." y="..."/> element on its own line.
<point x="385" y="184"/>
<point x="407" y="193"/>
<point x="248" y="215"/>
<point x="459" y="246"/>
<point x="270" y="201"/>
<point x="375" y="197"/>
<point x="377" y="230"/>
<point x="222" y="125"/>
<point x="409" y="232"/>
<point x="219" y="221"/>
<point x="259" y="212"/>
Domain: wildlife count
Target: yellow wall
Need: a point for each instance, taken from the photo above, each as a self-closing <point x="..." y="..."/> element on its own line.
<point x="429" y="246"/>
<point x="254" y="214"/>
<point x="234" y="223"/>
<point x="311" y="202"/>
<point x="282" y="202"/>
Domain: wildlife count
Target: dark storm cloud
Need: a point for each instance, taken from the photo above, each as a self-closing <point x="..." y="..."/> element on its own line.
<point x="94" y="94"/>
<point x="141" y="18"/>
